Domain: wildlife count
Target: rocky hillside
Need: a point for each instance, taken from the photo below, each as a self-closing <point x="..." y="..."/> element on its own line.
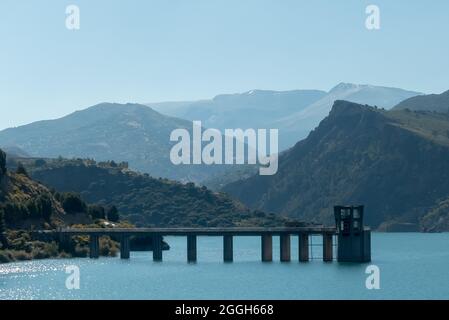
<point x="298" y="125"/>
<point x="143" y="200"/>
<point x="394" y="162"/>
<point x="27" y="203"/>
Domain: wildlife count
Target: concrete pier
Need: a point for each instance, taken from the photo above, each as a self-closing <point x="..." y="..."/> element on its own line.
<point x="303" y="247"/>
<point x="124" y="247"/>
<point x="191" y="248"/>
<point x="354" y="245"/>
<point x="285" y="247"/>
<point x="94" y="246"/>
<point x="228" y="250"/>
<point x="157" y="248"/>
<point x="267" y="248"/>
<point x="327" y="247"/>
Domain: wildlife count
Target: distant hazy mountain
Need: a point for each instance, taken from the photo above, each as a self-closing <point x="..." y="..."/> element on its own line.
<point x="394" y="162"/>
<point x="257" y="109"/>
<point x="170" y="108"/>
<point x="298" y="125"/>
<point x="14" y="152"/>
<point x="253" y="109"/>
<point x="431" y="102"/>
<point x="295" y="113"/>
<point x="132" y="132"/>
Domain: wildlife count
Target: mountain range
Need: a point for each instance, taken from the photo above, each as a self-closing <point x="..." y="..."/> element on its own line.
<point x="395" y="162"/>
<point x="139" y="134"/>
<point x="252" y="109"/>
<point x="295" y="113"/>
<point x="124" y="132"/>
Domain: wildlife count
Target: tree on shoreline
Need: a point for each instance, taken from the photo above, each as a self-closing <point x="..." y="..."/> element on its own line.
<point x="112" y="214"/>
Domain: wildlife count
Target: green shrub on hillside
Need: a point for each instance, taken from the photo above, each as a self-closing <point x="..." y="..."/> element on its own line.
<point x="108" y="247"/>
<point x="112" y="214"/>
<point x="35" y="208"/>
<point x="45" y="206"/>
<point x="21" y="169"/>
<point x="96" y="212"/>
<point x="14" y="212"/>
<point x="72" y="203"/>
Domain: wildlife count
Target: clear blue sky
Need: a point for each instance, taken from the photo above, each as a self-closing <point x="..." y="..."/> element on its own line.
<point x="165" y="50"/>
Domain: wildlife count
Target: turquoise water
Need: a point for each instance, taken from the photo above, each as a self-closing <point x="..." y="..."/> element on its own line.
<point x="412" y="266"/>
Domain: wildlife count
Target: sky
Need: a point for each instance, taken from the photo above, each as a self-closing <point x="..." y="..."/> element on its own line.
<point x="173" y="50"/>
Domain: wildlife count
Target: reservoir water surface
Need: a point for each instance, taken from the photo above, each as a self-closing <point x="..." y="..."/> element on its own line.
<point x="412" y="266"/>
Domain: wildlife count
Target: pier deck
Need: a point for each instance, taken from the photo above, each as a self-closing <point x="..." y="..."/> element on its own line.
<point x="266" y="235"/>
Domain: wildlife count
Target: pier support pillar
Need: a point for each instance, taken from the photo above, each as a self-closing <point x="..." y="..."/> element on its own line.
<point x="94" y="246"/>
<point x="303" y="247"/>
<point x="267" y="248"/>
<point x="124" y="247"/>
<point x="327" y="247"/>
<point x="191" y="248"/>
<point x="157" y="248"/>
<point x="285" y="247"/>
<point x="64" y="242"/>
<point x="228" y="255"/>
